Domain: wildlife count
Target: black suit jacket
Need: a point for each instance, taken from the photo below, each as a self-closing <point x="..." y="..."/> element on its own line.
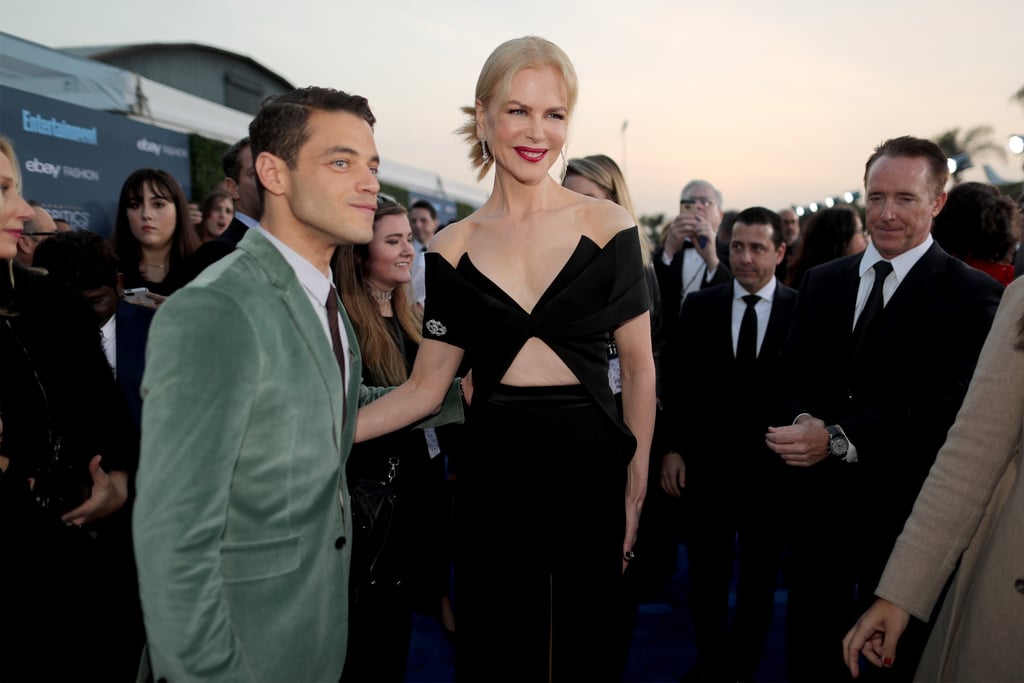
<point x="898" y="399"/>
<point x="217" y="248"/>
<point x="132" y="330"/>
<point x="717" y="409"/>
<point x="670" y="286"/>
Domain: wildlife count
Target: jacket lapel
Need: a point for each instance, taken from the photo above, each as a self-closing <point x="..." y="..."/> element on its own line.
<point x="307" y="320"/>
<point x="778" y="322"/>
<point x="355" y="377"/>
<point x="723" y="324"/>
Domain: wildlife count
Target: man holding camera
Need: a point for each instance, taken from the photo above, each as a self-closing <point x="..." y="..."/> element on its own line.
<point x="688" y="259"/>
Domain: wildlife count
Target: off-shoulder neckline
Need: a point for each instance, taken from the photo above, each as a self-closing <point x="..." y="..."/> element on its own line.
<point x="465" y="259"/>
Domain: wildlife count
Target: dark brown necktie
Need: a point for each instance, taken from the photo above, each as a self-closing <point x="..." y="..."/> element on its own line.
<point x="332" y="324"/>
<point x="746" y="344"/>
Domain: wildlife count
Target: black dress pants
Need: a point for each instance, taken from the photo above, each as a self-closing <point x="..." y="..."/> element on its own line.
<point x="733" y="521"/>
<point x="540" y="518"/>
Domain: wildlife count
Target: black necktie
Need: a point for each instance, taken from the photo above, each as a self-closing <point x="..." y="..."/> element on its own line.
<point x="746" y="344"/>
<point x="872" y="307"/>
<point x="332" y="324"/>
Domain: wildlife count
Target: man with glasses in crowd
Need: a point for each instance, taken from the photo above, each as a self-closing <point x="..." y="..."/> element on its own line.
<point x="36" y="230"/>
<point x="689" y="260"/>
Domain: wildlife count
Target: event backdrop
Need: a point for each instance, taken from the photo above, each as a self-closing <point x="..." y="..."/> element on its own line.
<point x="74" y="160"/>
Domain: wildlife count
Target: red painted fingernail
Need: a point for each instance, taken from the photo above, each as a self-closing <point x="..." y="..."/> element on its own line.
<point x="887" y="662"/>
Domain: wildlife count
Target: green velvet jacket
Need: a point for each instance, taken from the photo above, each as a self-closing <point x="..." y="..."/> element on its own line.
<point x="241" y="523"/>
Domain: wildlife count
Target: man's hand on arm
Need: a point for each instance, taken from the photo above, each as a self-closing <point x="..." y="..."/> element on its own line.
<point x="801" y="444"/>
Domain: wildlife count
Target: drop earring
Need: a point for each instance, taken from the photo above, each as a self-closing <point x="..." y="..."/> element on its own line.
<point x="484" y="152"/>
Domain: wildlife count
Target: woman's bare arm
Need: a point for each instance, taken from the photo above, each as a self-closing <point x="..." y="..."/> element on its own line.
<point x="416" y="398"/>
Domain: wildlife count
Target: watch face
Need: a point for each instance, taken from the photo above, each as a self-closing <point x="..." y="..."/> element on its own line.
<point x="838" y="445"/>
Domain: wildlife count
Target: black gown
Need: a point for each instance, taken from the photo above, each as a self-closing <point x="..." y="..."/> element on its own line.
<point x="540" y="507"/>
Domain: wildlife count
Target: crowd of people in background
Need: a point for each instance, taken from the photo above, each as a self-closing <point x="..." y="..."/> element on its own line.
<point x="208" y="469"/>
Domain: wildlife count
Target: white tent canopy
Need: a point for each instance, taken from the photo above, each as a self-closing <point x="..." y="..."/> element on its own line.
<point x="40" y="70"/>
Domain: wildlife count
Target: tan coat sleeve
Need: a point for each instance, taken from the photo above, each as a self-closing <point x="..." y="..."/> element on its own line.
<point x="977" y="454"/>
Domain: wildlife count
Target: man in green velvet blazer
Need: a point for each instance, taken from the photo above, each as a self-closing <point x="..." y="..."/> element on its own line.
<point x="242" y="522"/>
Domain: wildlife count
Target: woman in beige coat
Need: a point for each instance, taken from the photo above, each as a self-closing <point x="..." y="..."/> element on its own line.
<point x="970" y="509"/>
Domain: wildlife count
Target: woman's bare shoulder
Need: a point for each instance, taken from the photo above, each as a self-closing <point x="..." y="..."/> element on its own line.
<point x="451" y="242"/>
<point x="601" y="219"/>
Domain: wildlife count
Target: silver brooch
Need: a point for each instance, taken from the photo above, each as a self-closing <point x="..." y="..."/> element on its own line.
<point x="435" y="328"/>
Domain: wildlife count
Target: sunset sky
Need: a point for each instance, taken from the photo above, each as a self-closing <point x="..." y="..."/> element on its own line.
<point x="776" y="103"/>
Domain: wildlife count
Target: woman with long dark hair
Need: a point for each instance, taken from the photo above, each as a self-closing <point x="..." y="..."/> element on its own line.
<point x="828" y="235"/>
<point x="154" y="235"/>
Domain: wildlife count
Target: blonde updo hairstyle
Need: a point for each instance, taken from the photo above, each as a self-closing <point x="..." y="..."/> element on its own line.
<point x="496" y="76"/>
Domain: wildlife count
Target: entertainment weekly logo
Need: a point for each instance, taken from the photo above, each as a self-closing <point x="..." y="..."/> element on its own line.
<point x="57" y="170"/>
<point x="157" y="148"/>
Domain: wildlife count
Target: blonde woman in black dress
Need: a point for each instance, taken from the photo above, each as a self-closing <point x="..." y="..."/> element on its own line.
<point x="525" y="291"/>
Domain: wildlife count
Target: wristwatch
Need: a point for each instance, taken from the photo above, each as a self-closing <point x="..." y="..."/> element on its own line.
<point x="838" y="444"/>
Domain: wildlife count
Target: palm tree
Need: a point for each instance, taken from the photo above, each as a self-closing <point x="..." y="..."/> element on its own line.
<point x="974" y="142"/>
<point x="651" y="223"/>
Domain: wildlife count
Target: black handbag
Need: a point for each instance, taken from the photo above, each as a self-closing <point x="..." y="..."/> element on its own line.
<point x="375" y="565"/>
<point x="60" y="482"/>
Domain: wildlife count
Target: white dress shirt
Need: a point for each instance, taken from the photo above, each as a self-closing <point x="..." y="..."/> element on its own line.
<point x="693" y="271"/>
<point x="109" y="335"/>
<point x="901" y="265"/>
<point x="763" y="308"/>
<point x="317" y="286"/>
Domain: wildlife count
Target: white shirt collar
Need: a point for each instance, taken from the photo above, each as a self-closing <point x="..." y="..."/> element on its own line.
<point x="316" y="283"/>
<point x="108" y="334"/>
<point x="767" y="293"/>
<point x="902" y="264"/>
<point x="248" y="220"/>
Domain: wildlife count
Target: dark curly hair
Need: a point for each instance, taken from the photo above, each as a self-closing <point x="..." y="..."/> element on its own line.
<point x="979" y="222"/>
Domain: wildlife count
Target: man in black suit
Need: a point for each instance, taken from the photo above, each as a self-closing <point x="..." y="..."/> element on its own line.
<point x="722" y="373"/>
<point x="240" y="183"/>
<point x="883" y="347"/>
<point x="89" y="264"/>
<point x="689" y="259"/>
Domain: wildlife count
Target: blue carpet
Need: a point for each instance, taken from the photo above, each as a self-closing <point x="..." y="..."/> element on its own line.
<point x="663" y="648"/>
